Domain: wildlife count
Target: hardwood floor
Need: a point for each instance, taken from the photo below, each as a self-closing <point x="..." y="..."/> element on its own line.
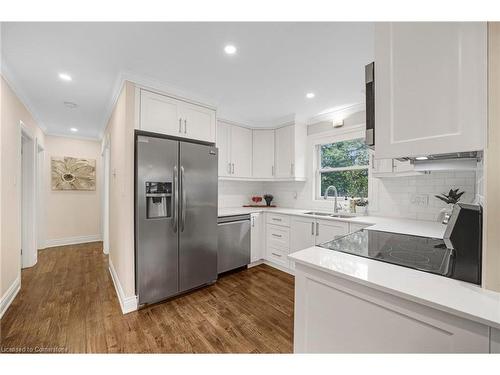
<point x="67" y="303"/>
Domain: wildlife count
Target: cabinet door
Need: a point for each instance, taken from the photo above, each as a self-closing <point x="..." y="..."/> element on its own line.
<point x="198" y="122"/>
<point x="241" y="151"/>
<point x="431" y="87"/>
<point x="263" y="153"/>
<point x="327" y="230"/>
<point x="159" y="114"/>
<point x="302" y="233"/>
<point x="257" y="237"/>
<point x="285" y="151"/>
<point x="223" y="135"/>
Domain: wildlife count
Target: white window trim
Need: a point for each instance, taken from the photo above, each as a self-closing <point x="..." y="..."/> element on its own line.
<point x="352" y="133"/>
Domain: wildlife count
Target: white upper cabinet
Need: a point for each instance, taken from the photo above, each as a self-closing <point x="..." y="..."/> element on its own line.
<point x="160" y="114"/>
<point x="430" y="88"/>
<point x="223" y="144"/>
<point x="285" y="152"/>
<point x="263" y="153"/>
<point x="235" y="150"/>
<point x="198" y="122"/>
<point x="241" y="151"/>
<point x="166" y="115"/>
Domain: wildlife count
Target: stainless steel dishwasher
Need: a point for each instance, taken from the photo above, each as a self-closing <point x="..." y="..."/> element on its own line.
<point x="233" y="234"/>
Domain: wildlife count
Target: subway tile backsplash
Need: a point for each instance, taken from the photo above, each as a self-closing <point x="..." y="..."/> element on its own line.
<point x="414" y="197"/>
<point x="405" y="197"/>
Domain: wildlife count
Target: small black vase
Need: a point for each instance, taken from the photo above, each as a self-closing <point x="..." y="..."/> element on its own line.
<point x="268" y="198"/>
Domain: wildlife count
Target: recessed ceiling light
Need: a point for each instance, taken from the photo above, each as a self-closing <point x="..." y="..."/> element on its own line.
<point x="421" y="158"/>
<point x="70" y="105"/>
<point x="74" y="130"/>
<point x="65" y="77"/>
<point x="230" y="49"/>
<point x="310" y="95"/>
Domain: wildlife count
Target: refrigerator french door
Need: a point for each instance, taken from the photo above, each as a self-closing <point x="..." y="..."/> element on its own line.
<point x="175" y="217"/>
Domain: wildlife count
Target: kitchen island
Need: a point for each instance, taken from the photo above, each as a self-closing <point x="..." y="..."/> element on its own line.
<point x="347" y="303"/>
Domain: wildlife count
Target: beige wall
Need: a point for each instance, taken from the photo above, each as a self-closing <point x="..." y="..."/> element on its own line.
<point x="12" y="112"/>
<point x="72" y="214"/>
<point x="492" y="164"/>
<point x="120" y="132"/>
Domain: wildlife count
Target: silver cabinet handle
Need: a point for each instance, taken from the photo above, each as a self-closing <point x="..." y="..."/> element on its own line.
<point x="276" y="235"/>
<point x="183" y="209"/>
<point x="180" y="125"/>
<point x="253" y="221"/>
<point x="317" y="229"/>
<point x="229" y="168"/>
<point x="277" y="255"/>
<point x="176" y="200"/>
<point x="291" y="169"/>
<point x="272" y="170"/>
<point x="232" y="168"/>
<point x="275" y="219"/>
<point x="312" y="228"/>
<point x="185" y="126"/>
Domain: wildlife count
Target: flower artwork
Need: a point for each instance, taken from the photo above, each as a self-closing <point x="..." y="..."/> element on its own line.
<point x="72" y="173"/>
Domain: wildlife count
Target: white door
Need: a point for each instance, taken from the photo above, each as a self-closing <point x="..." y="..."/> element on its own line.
<point x="327" y="230"/>
<point x="302" y="233"/>
<point x="241" y="151"/>
<point x="284" y="152"/>
<point x="431" y="88"/>
<point x="257" y="237"/>
<point x="263" y="153"/>
<point x="198" y="122"/>
<point x="160" y="114"/>
<point x="223" y="135"/>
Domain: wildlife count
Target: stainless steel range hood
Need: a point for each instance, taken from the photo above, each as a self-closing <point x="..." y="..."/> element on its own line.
<point x="463" y="161"/>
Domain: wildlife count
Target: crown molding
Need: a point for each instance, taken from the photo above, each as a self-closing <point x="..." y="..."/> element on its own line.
<point x="73" y="136"/>
<point x="15" y="86"/>
<point x="338" y="113"/>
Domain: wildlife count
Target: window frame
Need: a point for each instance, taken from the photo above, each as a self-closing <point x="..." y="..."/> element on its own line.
<point x="317" y="162"/>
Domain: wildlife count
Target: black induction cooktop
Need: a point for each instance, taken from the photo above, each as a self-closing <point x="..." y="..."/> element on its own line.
<point x="420" y="253"/>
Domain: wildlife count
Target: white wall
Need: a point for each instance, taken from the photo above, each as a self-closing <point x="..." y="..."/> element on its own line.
<point x="72" y="216"/>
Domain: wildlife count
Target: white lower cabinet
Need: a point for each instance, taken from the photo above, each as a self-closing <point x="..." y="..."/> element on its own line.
<point x="335" y="315"/>
<point x="256" y="237"/>
<point x="327" y="230"/>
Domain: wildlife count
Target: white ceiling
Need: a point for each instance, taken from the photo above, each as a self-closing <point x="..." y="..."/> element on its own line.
<point x="275" y="66"/>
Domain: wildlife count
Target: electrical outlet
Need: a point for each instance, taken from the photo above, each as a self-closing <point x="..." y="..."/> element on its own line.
<point x="421" y="200"/>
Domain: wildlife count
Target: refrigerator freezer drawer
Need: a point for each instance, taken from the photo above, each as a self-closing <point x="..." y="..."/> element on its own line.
<point x="233" y="244"/>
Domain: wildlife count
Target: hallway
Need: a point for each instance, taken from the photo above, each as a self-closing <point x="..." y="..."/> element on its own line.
<point x="68" y="304"/>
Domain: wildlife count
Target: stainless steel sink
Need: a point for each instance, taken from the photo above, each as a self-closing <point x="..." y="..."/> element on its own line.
<point x="340" y="216"/>
<point x="317" y="213"/>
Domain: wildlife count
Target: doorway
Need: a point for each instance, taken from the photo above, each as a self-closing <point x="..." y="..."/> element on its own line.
<point x="28" y="198"/>
<point x="105" y="197"/>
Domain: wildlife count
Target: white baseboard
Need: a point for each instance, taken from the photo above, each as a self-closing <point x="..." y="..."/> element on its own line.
<point x="9" y="295"/>
<point x="72" y="240"/>
<point x="279" y="267"/>
<point x="127" y="304"/>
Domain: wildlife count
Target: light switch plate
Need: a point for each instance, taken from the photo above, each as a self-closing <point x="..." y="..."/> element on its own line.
<point x="421" y="200"/>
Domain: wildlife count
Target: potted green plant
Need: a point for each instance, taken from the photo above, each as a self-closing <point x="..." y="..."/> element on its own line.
<point x="450" y="199"/>
<point x="361" y="204"/>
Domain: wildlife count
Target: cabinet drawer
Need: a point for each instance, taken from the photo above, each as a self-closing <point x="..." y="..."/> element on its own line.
<point x="278" y="237"/>
<point x="278" y="219"/>
<point x="277" y="256"/>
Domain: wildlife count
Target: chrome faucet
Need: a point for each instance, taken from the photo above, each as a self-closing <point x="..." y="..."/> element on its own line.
<point x="331" y="187"/>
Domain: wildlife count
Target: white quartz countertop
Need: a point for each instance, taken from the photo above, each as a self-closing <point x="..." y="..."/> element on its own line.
<point x="453" y="296"/>
<point x="405" y="226"/>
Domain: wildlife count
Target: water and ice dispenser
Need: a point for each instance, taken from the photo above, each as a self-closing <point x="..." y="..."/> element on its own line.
<point x="158" y="200"/>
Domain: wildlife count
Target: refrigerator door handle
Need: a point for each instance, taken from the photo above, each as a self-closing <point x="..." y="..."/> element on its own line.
<point x="176" y="200"/>
<point x="183" y="197"/>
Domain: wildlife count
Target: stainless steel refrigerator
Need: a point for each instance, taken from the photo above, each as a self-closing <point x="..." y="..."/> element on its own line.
<point x="175" y="216"/>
